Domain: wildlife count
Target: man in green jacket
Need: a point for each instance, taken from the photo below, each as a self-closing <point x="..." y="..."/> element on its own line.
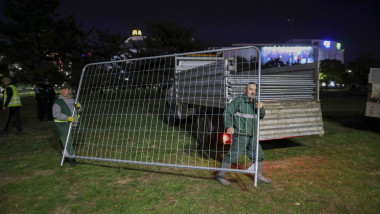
<point x="240" y="119"/>
<point x="62" y="110"/>
<point x="12" y="106"/>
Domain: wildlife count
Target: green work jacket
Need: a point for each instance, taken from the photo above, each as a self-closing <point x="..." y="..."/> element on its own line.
<point x="241" y="114"/>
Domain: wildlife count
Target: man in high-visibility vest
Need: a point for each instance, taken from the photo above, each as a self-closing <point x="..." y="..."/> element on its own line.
<point x="62" y="112"/>
<point x="11" y="105"/>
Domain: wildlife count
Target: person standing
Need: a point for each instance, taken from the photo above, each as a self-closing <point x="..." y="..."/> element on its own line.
<point x="240" y="119"/>
<point x="49" y="99"/>
<point x="63" y="108"/>
<point x="40" y="100"/>
<point x="12" y="106"/>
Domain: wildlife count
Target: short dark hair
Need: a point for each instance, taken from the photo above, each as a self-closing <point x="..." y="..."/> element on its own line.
<point x="253" y="83"/>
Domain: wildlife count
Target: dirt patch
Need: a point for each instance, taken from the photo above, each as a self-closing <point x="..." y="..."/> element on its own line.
<point x="43" y="172"/>
<point x="121" y="181"/>
<point x="8" y="179"/>
<point x="62" y="209"/>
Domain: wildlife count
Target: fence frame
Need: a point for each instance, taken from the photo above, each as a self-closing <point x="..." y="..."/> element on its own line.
<point x="247" y="171"/>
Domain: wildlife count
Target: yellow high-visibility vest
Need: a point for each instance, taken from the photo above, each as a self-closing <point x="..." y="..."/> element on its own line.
<point x="15" y="100"/>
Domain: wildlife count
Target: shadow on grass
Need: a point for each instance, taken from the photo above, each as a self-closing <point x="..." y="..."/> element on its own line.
<point x="278" y="144"/>
<point x="146" y="170"/>
<point x="235" y="178"/>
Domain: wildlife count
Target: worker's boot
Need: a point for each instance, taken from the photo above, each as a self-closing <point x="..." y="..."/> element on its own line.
<point x="221" y="176"/>
<point x="260" y="177"/>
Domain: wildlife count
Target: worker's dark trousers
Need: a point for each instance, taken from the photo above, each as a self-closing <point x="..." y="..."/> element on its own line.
<point x="242" y="144"/>
<point x="41" y="108"/>
<point x="49" y="109"/>
<point x="63" y="130"/>
<point x="12" y="113"/>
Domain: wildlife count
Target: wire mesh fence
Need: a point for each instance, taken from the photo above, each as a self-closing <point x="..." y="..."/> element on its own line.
<point x="164" y="110"/>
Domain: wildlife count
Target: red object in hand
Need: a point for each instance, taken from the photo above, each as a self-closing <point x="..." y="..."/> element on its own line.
<point x="227" y="139"/>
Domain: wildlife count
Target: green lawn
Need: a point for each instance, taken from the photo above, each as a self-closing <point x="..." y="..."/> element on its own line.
<point x="336" y="173"/>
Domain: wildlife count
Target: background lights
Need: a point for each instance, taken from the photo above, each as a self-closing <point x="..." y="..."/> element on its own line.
<point x="327" y="44"/>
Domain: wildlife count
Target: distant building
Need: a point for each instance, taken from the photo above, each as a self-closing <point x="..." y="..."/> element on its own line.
<point x="136" y="39"/>
<point x="299" y="51"/>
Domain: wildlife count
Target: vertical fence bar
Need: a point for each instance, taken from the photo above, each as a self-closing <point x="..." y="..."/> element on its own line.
<point x="258" y="118"/>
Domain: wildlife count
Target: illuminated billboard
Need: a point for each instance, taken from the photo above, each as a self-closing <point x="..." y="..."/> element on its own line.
<point x="288" y="54"/>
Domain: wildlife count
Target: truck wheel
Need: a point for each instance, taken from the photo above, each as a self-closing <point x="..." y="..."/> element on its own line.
<point x="205" y="136"/>
<point x="169" y="116"/>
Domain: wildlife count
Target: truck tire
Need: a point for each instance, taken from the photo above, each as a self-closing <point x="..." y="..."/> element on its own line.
<point x="205" y="135"/>
<point x="169" y="115"/>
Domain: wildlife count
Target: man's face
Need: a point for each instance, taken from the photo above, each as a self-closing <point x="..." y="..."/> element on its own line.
<point x="251" y="90"/>
<point x="66" y="92"/>
<point x="46" y="82"/>
<point x="6" y="83"/>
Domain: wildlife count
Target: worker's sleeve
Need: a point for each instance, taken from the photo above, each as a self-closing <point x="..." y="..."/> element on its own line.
<point x="57" y="114"/>
<point x="229" y="112"/>
<point x="262" y="113"/>
<point x="9" y="92"/>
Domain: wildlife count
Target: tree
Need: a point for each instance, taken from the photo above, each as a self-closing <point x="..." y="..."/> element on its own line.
<point x="107" y="46"/>
<point x="39" y="42"/>
<point x="331" y="70"/>
<point x="165" y="38"/>
<point x="360" y="68"/>
<point x="169" y="38"/>
<point x="28" y="20"/>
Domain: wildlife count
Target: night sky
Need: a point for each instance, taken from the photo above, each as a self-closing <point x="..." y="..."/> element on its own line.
<point x="354" y="23"/>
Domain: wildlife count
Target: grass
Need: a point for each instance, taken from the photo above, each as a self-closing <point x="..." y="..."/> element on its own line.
<point x="336" y="173"/>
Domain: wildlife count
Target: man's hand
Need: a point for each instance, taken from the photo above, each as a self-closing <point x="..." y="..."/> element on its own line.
<point x="71" y="119"/>
<point x="4" y="108"/>
<point x="259" y="105"/>
<point x="230" y="130"/>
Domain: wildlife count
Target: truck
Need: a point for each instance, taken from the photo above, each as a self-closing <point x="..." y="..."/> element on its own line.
<point x="373" y="100"/>
<point x="203" y="87"/>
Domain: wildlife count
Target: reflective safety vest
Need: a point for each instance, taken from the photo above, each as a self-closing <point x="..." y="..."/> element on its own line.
<point x="64" y="109"/>
<point x="15" y="100"/>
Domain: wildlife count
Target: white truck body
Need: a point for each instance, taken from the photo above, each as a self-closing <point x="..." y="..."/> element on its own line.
<point x="373" y="102"/>
<point x="290" y="95"/>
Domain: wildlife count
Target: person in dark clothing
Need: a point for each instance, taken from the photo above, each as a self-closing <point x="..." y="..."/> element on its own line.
<point x="12" y="105"/>
<point x="40" y="100"/>
<point x="50" y="97"/>
<point x="45" y="95"/>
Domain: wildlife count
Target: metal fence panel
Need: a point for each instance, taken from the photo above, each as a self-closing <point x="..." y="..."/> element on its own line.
<point x="125" y="104"/>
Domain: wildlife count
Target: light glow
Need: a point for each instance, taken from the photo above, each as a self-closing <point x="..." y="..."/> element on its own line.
<point x="338" y="45"/>
<point x="136" y="33"/>
<point x="327" y="44"/>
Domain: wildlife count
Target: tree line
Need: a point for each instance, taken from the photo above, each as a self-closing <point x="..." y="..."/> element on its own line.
<point x="36" y="44"/>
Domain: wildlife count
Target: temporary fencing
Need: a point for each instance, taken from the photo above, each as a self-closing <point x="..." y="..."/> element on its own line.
<point x="167" y="110"/>
<point x="147" y="110"/>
